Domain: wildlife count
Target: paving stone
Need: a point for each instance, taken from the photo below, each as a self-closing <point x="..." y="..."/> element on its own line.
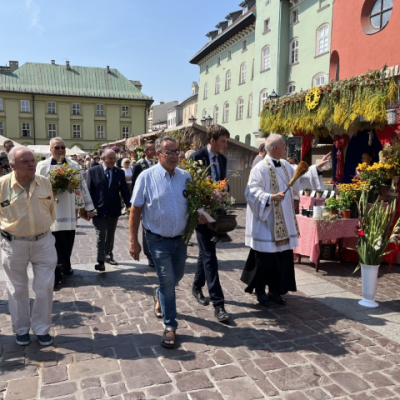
<point x="365" y="363"/>
<point x="206" y="395"/>
<point x="252" y="371"/>
<point x="226" y="372"/>
<point x="8" y="374"/>
<point x="180" y="396"/>
<point x="188" y="381"/>
<point x="61" y="389"/>
<point x="201" y="361"/>
<point x="317" y="394"/>
<point x="22" y="389"/>
<point x="115" y="377"/>
<point x="143" y="372"/>
<point x="54" y="374"/>
<point x="239" y="389"/>
<point x="296" y="396"/>
<point x="171" y="365"/>
<point x="90" y="383"/>
<point x="326" y="363"/>
<point x="378" y="379"/>
<point x="90" y="368"/>
<point x="335" y="390"/>
<point x="267" y="388"/>
<point x="93" y="393"/>
<point x="349" y="381"/>
<point x="161" y="390"/>
<point x="116" y="389"/>
<point x="270" y="363"/>
<point x="134" y="396"/>
<point x="294" y="378"/>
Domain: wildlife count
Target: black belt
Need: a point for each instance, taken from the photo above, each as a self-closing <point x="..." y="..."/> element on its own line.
<point x="165" y="237"/>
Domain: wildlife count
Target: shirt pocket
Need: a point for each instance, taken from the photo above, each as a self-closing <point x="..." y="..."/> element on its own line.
<point x="44" y="205"/>
<point x="11" y="212"/>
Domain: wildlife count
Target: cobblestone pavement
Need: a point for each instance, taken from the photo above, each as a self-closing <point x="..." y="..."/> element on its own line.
<point x="107" y="339"/>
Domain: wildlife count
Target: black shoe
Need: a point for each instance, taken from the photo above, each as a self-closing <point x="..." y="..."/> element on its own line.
<point x="57" y="286"/>
<point x="111" y="261"/>
<point x="69" y="272"/>
<point x="199" y="296"/>
<point x="221" y="314"/>
<point x="262" y="298"/>
<point x="276" y="298"/>
<point x="100" y="267"/>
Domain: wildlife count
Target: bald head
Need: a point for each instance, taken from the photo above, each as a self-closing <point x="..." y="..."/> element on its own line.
<point x="22" y="161"/>
<point x="275" y="146"/>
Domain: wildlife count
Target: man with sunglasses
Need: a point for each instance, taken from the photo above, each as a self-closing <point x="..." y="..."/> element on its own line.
<point x="64" y="226"/>
<point x="8" y="145"/>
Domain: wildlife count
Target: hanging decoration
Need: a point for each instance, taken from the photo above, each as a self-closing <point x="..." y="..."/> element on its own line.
<point x="340" y="142"/>
<point x="312" y="97"/>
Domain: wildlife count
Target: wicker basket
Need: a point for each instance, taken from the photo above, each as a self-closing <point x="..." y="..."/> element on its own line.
<point x="328" y="251"/>
<point x="391" y="116"/>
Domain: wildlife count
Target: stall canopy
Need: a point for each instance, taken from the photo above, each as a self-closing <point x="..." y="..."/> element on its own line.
<point x="76" y="150"/>
<point x="44" y="150"/>
<point x="3" y="139"/>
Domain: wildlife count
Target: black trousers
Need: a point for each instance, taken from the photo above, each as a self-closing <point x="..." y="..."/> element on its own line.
<point x="64" y="245"/>
<point x="207" y="266"/>
<point x="105" y="233"/>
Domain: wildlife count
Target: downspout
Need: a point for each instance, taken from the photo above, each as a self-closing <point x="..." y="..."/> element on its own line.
<point x="279" y="49"/>
<point x="33" y="112"/>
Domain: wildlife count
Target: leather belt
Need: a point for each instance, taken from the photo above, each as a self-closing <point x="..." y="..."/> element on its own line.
<point x="165" y="237"/>
<point x="33" y="238"/>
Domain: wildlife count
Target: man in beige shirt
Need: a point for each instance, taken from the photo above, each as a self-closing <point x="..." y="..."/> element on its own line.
<point x="26" y="214"/>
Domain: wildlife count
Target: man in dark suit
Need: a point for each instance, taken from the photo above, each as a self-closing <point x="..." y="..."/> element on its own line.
<point x="207" y="263"/>
<point x="106" y="183"/>
<point x="149" y="152"/>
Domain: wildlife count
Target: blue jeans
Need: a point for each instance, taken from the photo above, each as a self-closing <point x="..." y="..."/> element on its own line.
<point x="169" y="256"/>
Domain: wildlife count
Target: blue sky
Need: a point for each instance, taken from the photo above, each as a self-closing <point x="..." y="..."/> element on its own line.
<point x="149" y="40"/>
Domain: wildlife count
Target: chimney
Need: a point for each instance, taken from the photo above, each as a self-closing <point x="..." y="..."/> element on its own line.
<point x="108" y="69"/>
<point x="13" y="66"/>
<point x="68" y="66"/>
<point x="53" y="62"/>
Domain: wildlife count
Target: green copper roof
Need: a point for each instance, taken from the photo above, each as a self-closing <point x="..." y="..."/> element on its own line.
<point x="53" y="79"/>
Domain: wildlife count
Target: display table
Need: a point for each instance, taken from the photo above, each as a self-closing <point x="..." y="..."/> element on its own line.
<point x="313" y="232"/>
<point x="307" y="202"/>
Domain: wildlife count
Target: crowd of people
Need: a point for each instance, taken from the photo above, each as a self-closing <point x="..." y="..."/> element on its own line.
<point x="35" y="229"/>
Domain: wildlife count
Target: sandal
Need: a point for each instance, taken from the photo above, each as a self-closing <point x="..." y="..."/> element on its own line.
<point x="157" y="305"/>
<point x="168" y="336"/>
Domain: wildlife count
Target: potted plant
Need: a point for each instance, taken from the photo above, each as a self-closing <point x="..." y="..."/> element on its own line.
<point x="376" y="174"/>
<point x="332" y="205"/>
<point x="377" y="228"/>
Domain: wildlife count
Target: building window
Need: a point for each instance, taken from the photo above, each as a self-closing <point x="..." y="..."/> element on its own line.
<point x="229" y="54"/>
<point x="51" y="107"/>
<point x="243" y="68"/>
<point x="26" y="129"/>
<point x="294" y="51"/>
<point x="228" y="80"/>
<point x="226" y="112"/>
<point x="101" y="132"/>
<point x="263" y="98"/>
<point x="237" y="137"/>
<point x="25" y="106"/>
<point x="216" y="114"/>
<point x="244" y="45"/>
<point x="291" y="88"/>
<point x="125" y="132"/>
<point x="76" y="131"/>
<point x="380" y="13"/>
<point x="240" y="106"/>
<point x="322" y="39"/>
<point x="207" y="69"/>
<point x="52" y="130"/>
<point x="217" y="84"/>
<point x="247" y="139"/>
<point x="250" y="106"/>
<point x="267" y="25"/>
<point x="76" y="108"/>
<point x="218" y="61"/>
<point x="206" y="90"/>
<point x="124" y="111"/>
<point x="319" y="80"/>
<point x="266" y="58"/>
<point x="1" y="104"/>
<point x="1" y="128"/>
<point x="100" y="109"/>
<point x="294" y="16"/>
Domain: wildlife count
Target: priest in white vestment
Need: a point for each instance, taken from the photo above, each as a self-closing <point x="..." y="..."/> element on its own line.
<point x="64" y="226"/>
<point x="271" y="225"/>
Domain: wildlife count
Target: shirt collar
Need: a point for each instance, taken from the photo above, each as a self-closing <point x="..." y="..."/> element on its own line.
<point x="210" y="153"/>
<point x="163" y="171"/>
<point x="105" y="167"/>
<point x="15" y="182"/>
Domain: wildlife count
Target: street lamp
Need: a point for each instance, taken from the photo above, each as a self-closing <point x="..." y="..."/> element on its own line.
<point x="208" y="121"/>
<point x="192" y="119"/>
<point x="203" y="121"/>
<point x="273" y="95"/>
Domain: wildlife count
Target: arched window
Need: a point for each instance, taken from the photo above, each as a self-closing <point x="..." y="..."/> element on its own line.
<point x="226" y="112"/>
<point x="294" y="51"/>
<point x="216" y="114"/>
<point x="248" y="139"/>
<point x="243" y="69"/>
<point x="217" y="84"/>
<point x="263" y="98"/>
<point x="228" y="80"/>
<point x="322" y="39"/>
<point x="240" y="106"/>
<point x="205" y="90"/>
<point x="237" y="137"/>
<point x="265" y="58"/>
<point x="250" y="106"/>
<point x="291" y="87"/>
<point x="319" y="79"/>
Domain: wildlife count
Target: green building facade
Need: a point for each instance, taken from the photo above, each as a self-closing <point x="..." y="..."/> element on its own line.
<point x="277" y="46"/>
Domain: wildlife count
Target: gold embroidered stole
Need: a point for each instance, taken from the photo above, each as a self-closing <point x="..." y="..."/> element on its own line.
<point x="280" y="229"/>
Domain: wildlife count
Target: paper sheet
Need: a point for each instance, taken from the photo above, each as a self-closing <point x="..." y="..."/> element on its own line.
<point x="206" y="214"/>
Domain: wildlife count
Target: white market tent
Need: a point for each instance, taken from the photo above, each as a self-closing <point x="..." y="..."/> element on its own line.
<point x="3" y="139"/>
<point x="76" y="150"/>
<point x="44" y="150"/>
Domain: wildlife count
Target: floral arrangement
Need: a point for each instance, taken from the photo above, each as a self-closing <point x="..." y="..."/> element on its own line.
<point x="331" y="204"/>
<point x="336" y="105"/>
<point x="376" y="174"/>
<point x="64" y="179"/>
<point x="376" y="229"/>
<point x="203" y="192"/>
<point x="350" y="193"/>
<point x="390" y="154"/>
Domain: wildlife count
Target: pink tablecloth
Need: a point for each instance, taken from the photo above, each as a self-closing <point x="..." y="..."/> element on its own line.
<point x="313" y="231"/>
<point x="307" y="201"/>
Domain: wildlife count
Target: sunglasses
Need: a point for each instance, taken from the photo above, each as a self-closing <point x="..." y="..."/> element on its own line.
<point x="59" y="147"/>
<point x="171" y="152"/>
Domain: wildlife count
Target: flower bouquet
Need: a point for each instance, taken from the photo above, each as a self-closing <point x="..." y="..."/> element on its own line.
<point x="203" y="192"/>
<point x="64" y="179"/>
<point x="376" y="174"/>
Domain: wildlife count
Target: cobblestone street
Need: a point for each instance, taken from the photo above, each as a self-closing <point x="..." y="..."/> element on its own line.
<point x="322" y="345"/>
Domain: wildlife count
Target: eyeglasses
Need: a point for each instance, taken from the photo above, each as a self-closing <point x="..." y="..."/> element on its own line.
<point x="59" y="147"/>
<point x="171" y="152"/>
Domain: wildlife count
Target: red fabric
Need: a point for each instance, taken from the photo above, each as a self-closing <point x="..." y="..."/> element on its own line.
<point x="385" y="135"/>
<point x="305" y="143"/>
<point x="340" y="142"/>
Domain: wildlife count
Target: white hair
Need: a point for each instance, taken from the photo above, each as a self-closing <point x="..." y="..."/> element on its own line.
<point x="271" y="141"/>
<point x="107" y="152"/>
<point x="56" y="138"/>
<point x="11" y="154"/>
